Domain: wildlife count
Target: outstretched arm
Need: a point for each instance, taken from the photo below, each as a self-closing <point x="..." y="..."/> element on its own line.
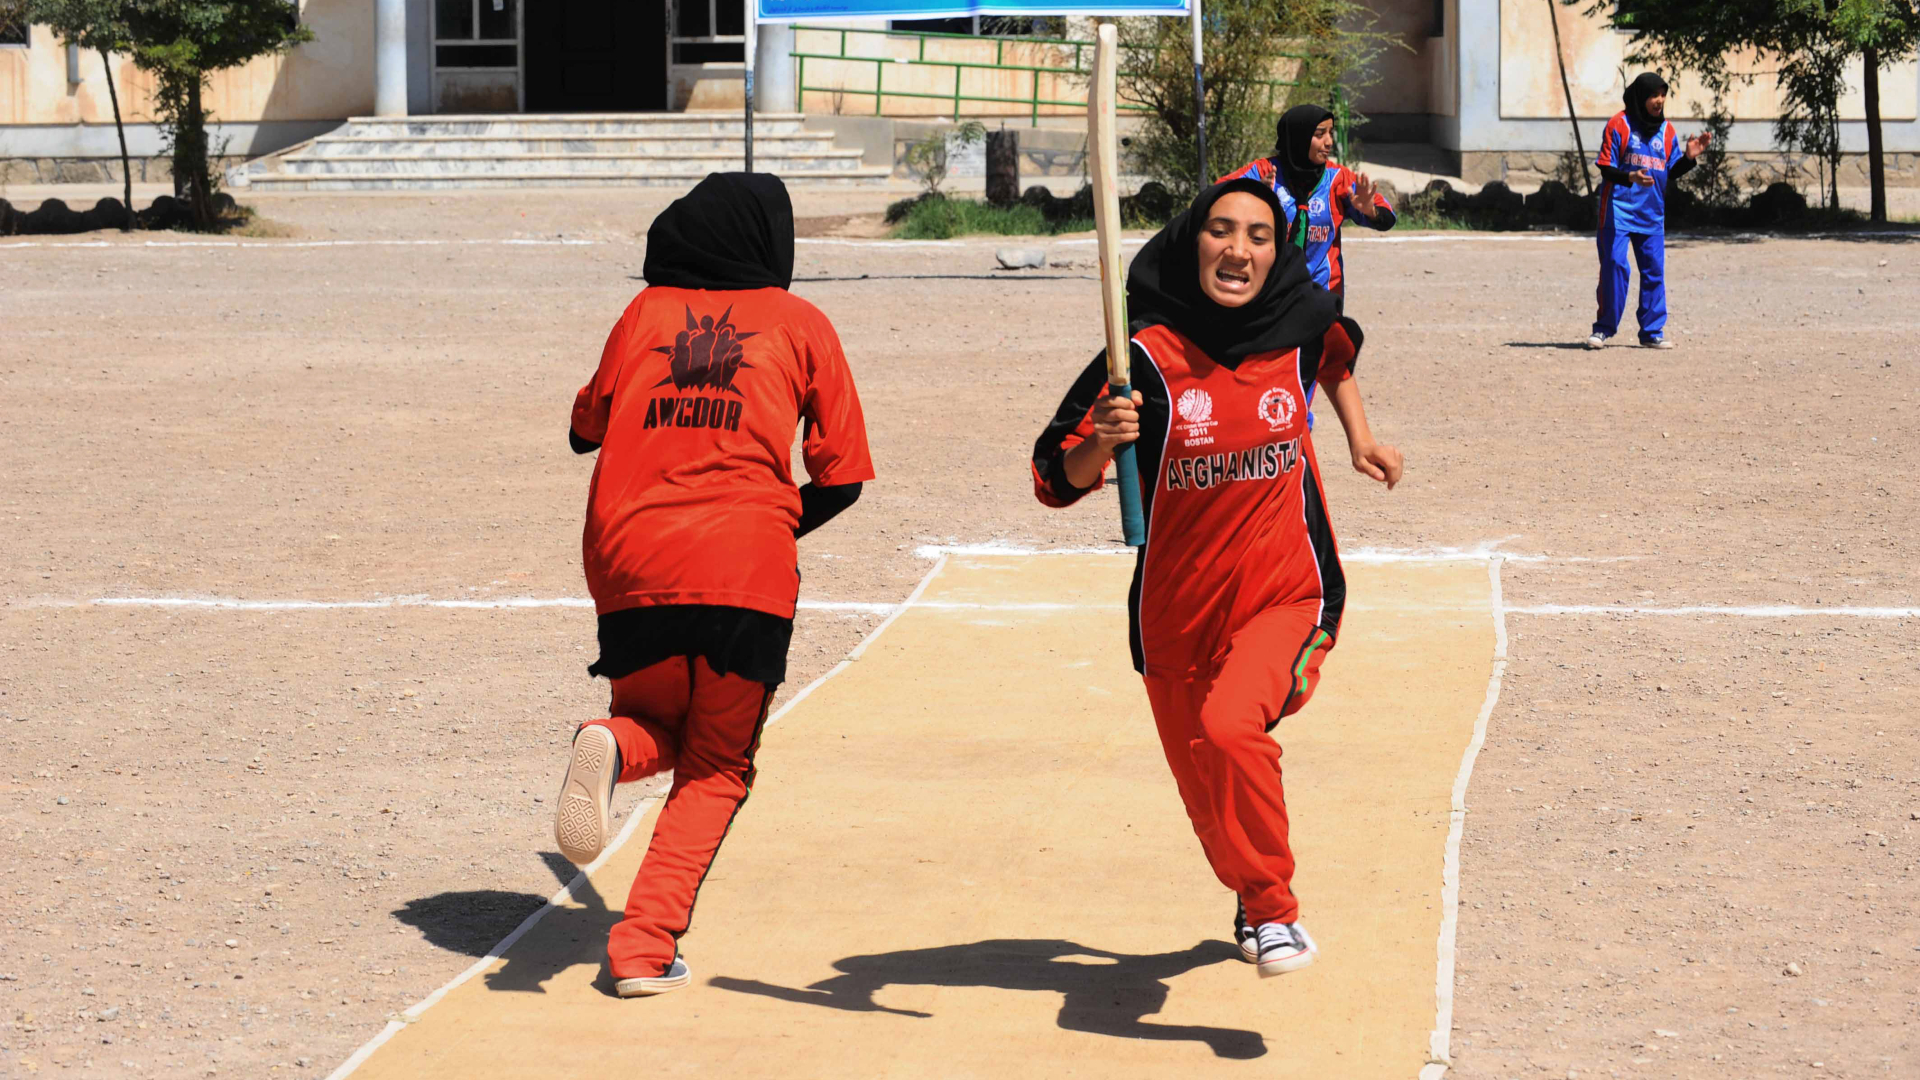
<point x="1374" y="458"/>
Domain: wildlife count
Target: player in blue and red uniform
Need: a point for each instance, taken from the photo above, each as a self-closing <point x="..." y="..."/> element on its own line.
<point x="1302" y="172"/>
<point x="1641" y="156"/>
<point x="1238" y="591"/>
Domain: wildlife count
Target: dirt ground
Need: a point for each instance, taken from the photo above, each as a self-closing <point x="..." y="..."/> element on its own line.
<point x="238" y="841"/>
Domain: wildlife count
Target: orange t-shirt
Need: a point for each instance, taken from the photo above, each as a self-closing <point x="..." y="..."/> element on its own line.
<point x="694" y="407"/>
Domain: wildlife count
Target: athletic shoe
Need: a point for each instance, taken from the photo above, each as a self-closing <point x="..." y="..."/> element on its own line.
<point x="583" y="818"/>
<point x="1655" y="343"/>
<point x="1284" y="947"/>
<point x="1596" y="342"/>
<point x="1245" y="935"/>
<point x="676" y="977"/>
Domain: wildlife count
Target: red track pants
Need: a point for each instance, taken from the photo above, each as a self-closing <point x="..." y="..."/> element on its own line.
<point x="1214" y="731"/>
<point x="680" y="715"/>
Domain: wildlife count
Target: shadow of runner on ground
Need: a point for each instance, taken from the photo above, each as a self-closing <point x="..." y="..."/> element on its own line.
<point x="1111" y="998"/>
<point x="474" y="921"/>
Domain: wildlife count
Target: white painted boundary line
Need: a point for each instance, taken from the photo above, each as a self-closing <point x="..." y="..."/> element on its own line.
<point x="1478" y="553"/>
<point x="557" y="242"/>
<point x="413" y="1012"/>
<point x="1751" y="611"/>
<point x="1440" y="1045"/>
<point x="871" y="607"/>
<point x="639" y="811"/>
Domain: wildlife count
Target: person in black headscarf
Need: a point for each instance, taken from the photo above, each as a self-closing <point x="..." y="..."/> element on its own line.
<point x="689" y="547"/>
<point x="1641" y="157"/>
<point x="1302" y="173"/>
<point x="1238" y="592"/>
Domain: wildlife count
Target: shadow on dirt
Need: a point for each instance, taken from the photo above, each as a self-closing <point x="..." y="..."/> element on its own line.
<point x="1106" y="993"/>
<point x="472" y="922"/>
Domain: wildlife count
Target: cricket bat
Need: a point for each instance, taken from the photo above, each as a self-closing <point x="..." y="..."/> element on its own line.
<point x="1103" y="154"/>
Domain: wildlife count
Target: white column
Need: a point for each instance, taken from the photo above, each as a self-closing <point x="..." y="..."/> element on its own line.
<point x="390" y="58"/>
<point x="774" y="87"/>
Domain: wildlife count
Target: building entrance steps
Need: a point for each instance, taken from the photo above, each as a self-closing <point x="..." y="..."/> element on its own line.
<point x="519" y="150"/>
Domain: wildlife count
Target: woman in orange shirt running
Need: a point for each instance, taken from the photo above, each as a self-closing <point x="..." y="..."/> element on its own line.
<point x="690" y="554"/>
<point x="1238" y="591"/>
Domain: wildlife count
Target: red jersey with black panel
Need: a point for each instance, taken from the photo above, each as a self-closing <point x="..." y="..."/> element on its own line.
<point x="694" y="406"/>
<point x="1236" y="516"/>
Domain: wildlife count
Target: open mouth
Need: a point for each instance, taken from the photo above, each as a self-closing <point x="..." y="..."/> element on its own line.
<point x="1232" y="280"/>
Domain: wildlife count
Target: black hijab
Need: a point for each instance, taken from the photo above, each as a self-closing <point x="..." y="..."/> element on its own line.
<point x="1639" y="90"/>
<point x="1163" y="288"/>
<point x="732" y="231"/>
<point x="1293" y="149"/>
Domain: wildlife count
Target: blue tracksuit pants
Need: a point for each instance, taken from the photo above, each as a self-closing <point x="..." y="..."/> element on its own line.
<point x="1650" y="253"/>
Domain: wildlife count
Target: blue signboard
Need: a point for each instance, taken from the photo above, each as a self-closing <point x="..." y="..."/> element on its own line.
<point x="780" y="11"/>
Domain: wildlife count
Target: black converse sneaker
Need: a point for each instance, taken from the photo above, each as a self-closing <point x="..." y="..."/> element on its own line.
<point x="583" y="816"/>
<point x="677" y="976"/>
<point x="1284" y="947"/>
<point x="1245" y="936"/>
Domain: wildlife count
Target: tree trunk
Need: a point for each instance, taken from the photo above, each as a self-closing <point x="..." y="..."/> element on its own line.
<point x="200" y="198"/>
<point x="120" y="128"/>
<point x="1876" y="148"/>
<point x="1003" y="167"/>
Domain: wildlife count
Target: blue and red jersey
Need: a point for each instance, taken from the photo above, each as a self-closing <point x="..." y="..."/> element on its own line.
<point x="1633" y="208"/>
<point x="1329" y="207"/>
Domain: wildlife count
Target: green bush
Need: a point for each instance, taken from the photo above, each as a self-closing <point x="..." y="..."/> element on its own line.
<point x="943" y="219"/>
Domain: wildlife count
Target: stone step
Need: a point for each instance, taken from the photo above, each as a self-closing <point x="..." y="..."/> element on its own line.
<point x="558" y="164"/>
<point x="523" y="125"/>
<point x="283" y="182"/>
<point x="644" y="145"/>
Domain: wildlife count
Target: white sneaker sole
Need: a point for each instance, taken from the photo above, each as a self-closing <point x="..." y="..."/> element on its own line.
<point x="1270" y="968"/>
<point x="582" y="822"/>
<point x="1250" y="950"/>
<point x="659" y="984"/>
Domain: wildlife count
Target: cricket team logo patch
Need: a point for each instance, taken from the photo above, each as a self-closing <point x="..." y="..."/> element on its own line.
<point x="1277" y="408"/>
<point x="1195" y="406"/>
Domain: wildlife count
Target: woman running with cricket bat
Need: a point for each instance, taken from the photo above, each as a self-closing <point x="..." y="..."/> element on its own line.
<point x="1238" y="591"/>
<point x="692" y="518"/>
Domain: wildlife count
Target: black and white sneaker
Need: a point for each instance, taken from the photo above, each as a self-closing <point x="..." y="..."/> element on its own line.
<point x="1244" y="935"/>
<point x="583" y="815"/>
<point x="677" y="976"/>
<point x="1284" y="947"/>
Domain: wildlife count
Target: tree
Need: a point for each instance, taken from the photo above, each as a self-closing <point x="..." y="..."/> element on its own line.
<point x="1813" y="41"/>
<point x="1328" y="44"/>
<point x="180" y="42"/>
<point x="95" y="26"/>
<point x="13" y="17"/>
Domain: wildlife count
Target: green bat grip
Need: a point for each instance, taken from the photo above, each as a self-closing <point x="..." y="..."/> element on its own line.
<point x="1126" y="471"/>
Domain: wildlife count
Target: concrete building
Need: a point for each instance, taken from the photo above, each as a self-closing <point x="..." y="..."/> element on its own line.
<point x="1478" y="81"/>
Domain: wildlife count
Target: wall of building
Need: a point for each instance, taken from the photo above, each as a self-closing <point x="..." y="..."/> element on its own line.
<point x="1512" y="112"/>
<point x="258" y="107"/>
<point x="1399" y="103"/>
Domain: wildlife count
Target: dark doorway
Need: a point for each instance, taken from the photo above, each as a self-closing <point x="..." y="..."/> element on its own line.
<point x="596" y="55"/>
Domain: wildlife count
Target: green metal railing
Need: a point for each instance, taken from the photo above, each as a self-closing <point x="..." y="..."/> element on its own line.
<point x="1034" y="102"/>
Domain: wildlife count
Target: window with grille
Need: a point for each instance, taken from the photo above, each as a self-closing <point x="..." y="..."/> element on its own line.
<point x="12" y="33"/>
<point x="476" y="34"/>
<point x="709" y="31"/>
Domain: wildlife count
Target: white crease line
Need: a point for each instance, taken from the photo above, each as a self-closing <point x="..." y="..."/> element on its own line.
<point x="870" y="607"/>
<point x="413" y="1012"/>
<point x="558" y="242"/>
<point x="1479" y="553"/>
<point x="639" y="811"/>
<point x="1440" y="1043"/>
<point x="1752" y="611"/>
